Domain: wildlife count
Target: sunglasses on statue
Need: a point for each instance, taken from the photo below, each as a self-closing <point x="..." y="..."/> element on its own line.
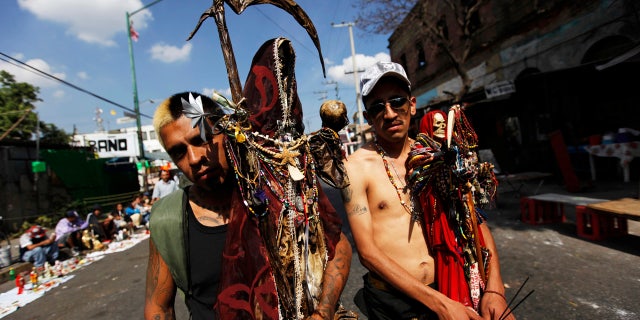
<point x="397" y="104"/>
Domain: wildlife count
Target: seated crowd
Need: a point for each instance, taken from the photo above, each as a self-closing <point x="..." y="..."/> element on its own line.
<point x="75" y="234"/>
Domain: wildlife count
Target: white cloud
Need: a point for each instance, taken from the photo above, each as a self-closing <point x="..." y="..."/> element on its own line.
<point x="82" y="75"/>
<point x="94" y="21"/>
<point x="58" y="94"/>
<point x="225" y="92"/>
<point x="25" y="74"/>
<point x="169" y="54"/>
<point x="337" y="72"/>
<point x="328" y="62"/>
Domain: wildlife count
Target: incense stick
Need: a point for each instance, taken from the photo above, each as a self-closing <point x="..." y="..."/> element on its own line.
<point x="525" y="297"/>
<point x="514" y="298"/>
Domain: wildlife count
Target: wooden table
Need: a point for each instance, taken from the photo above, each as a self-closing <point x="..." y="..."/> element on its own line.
<point x="549" y="207"/>
<point x="626" y="207"/>
<point x="598" y="221"/>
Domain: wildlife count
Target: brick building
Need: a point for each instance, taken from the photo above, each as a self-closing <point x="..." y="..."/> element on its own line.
<point x="536" y="66"/>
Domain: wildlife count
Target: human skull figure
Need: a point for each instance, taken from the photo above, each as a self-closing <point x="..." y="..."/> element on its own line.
<point x="334" y="115"/>
<point x="439" y="126"/>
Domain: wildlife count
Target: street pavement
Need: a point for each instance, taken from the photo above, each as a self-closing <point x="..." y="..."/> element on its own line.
<point x="572" y="278"/>
<point x="110" y="288"/>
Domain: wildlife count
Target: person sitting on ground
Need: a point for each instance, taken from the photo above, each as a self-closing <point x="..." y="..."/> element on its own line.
<point x="139" y="215"/>
<point x="121" y="221"/>
<point x="37" y="247"/>
<point x="145" y="201"/>
<point x="68" y="232"/>
<point x="99" y="228"/>
<point x="164" y="186"/>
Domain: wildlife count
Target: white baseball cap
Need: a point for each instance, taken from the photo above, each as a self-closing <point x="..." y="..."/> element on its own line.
<point x="381" y="69"/>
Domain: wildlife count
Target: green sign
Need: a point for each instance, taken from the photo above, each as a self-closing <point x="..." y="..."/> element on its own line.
<point x="143" y="164"/>
<point x="38" y="166"/>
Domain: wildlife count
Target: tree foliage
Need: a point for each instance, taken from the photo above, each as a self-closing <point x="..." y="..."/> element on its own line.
<point x="451" y="26"/>
<point x="51" y="134"/>
<point x="382" y="16"/>
<point x="18" y="120"/>
<point x="16" y="107"/>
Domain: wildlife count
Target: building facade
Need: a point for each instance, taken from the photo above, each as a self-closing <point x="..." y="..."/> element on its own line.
<point x="535" y="66"/>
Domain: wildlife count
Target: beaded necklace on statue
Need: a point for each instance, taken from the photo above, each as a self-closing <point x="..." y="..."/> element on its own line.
<point x="407" y="207"/>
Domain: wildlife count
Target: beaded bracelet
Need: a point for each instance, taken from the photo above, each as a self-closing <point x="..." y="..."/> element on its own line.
<point x="496" y="292"/>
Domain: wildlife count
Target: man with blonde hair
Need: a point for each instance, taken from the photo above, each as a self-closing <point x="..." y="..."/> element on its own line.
<point x="204" y="239"/>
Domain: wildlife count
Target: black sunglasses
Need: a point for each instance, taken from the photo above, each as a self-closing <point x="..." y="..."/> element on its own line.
<point x="396" y="104"/>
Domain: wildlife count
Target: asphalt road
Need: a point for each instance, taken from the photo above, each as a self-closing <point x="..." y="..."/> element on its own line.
<point x="572" y="278"/>
<point x="111" y="288"/>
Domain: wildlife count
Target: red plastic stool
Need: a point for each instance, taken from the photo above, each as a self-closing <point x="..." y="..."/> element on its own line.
<point x="588" y="224"/>
<point x="594" y="225"/>
<point x="616" y="226"/>
<point x="540" y="212"/>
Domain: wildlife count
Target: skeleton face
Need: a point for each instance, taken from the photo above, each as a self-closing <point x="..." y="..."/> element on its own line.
<point x="439" y="125"/>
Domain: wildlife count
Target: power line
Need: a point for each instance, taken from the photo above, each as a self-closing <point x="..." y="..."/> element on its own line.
<point x="18" y="65"/>
<point x="52" y="77"/>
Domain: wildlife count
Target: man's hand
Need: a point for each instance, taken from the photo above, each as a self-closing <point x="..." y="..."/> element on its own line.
<point x="493" y="305"/>
<point x="455" y="310"/>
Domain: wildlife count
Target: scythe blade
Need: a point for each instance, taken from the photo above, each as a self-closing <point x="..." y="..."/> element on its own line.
<point x="290" y="7"/>
<point x="238" y="6"/>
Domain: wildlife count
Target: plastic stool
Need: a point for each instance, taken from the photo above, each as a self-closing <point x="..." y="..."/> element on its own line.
<point x="534" y="211"/>
<point x="594" y="225"/>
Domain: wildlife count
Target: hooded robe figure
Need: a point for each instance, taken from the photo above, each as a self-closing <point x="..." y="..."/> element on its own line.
<point x="286" y="214"/>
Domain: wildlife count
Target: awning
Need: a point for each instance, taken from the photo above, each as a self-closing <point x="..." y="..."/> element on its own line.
<point x="631" y="55"/>
<point x="158" y="155"/>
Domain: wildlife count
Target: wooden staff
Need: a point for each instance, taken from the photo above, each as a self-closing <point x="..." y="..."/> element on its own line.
<point x="217" y="11"/>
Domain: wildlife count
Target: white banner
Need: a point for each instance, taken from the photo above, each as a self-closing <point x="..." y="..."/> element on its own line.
<point x="109" y="145"/>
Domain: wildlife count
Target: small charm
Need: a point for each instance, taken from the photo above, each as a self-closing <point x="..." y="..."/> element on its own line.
<point x="295" y="173"/>
<point x="239" y="135"/>
<point x="259" y="203"/>
<point x="299" y="204"/>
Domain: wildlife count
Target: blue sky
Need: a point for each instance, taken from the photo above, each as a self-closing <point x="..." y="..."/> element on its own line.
<point x="84" y="42"/>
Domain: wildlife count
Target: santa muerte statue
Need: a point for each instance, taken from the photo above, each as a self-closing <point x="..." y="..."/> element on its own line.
<point x="452" y="187"/>
<point x="277" y="168"/>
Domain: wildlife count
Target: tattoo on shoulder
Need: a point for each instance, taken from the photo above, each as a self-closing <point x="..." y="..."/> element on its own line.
<point x="346" y="194"/>
<point x="358" y="210"/>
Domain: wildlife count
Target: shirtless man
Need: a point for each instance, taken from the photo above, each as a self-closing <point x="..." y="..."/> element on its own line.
<point x="389" y="240"/>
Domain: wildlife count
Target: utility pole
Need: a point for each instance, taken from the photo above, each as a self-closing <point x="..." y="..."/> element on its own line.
<point x="323" y="94"/>
<point x="136" y="103"/>
<point x="355" y="77"/>
<point x="332" y="82"/>
<point x="35" y="174"/>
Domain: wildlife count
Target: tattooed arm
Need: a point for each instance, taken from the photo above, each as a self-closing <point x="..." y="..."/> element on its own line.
<point x="334" y="280"/>
<point x="161" y="290"/>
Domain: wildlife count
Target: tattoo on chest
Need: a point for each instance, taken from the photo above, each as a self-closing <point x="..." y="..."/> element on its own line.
<point x="207" y="218"/>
